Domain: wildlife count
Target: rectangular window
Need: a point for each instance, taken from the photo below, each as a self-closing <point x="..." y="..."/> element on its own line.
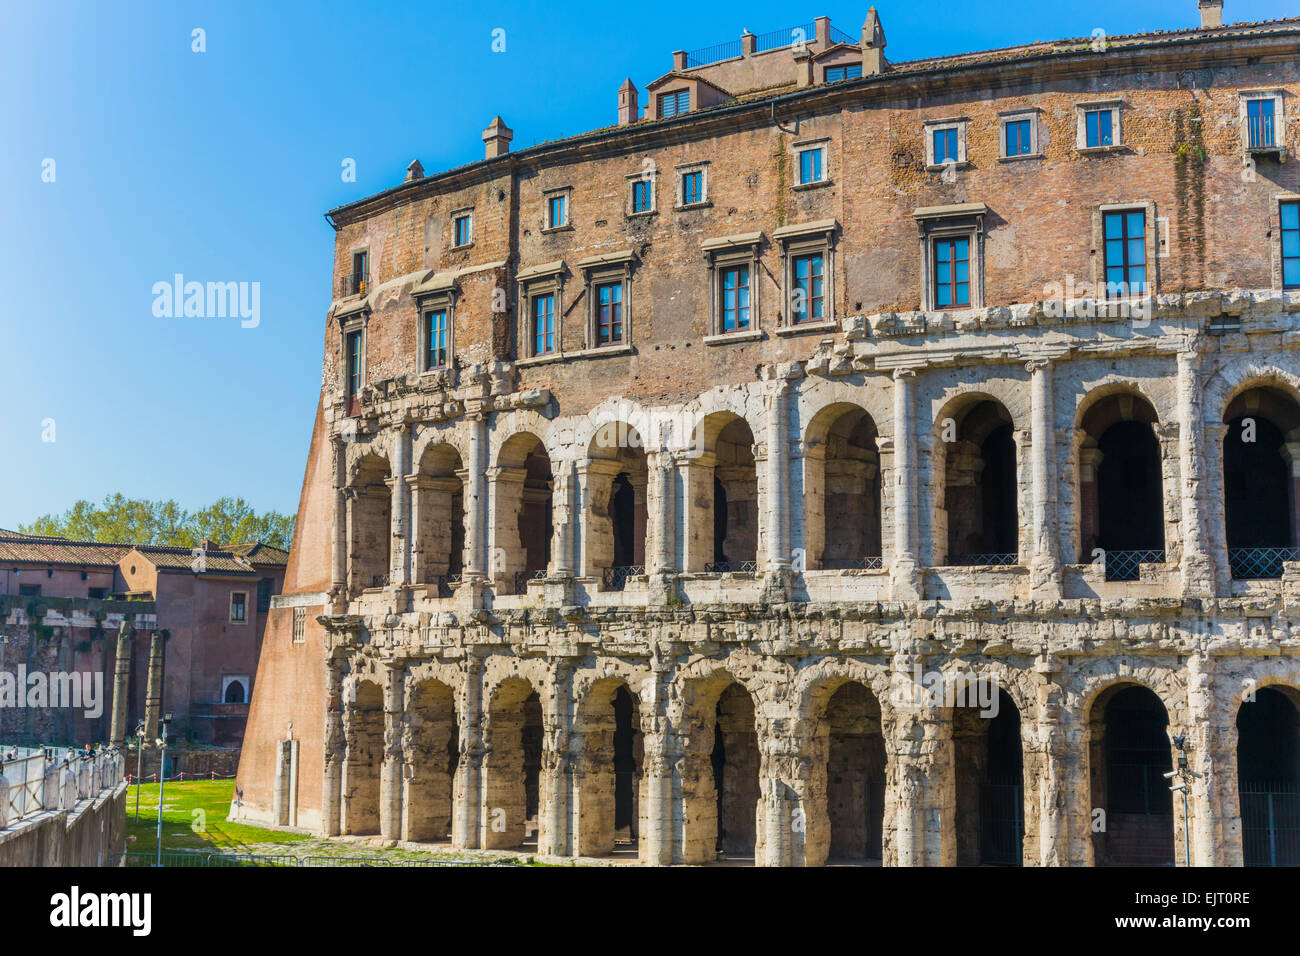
<point x="543" y="324"/>
<point x="809" y="300"/>
<point x="674" y="104"/>
<point x="1259" y="123"/>
<point x="353" y="358"/>
<point x="1290" y="245"/>
<point x="951" y="273"/>
<point x="836" y="73"/>
<point x="642" y="198"/>
<point x="264" y="595"/>
<point x="810" y="166"/>
<point x="735" y="298"/>
<point x="609" y="313"/>
<point x="29" y="590"/>
<point x="1098" y="129"/>
<point x="692" y="187"/>
<point x="1019" y="138"/>
<point x="360" y="272"/>
<point x="436" y="339"/>
<point x="557" y="212"/>
<point x="462" y="233"/>
<point x="1126" y="253"/>
<point x="945" y="146"/>
<point x="238" y="607"/>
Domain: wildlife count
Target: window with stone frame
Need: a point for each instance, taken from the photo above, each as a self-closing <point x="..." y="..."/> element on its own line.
<point x="945" y="143"/>
<point x="807" y="276"/>
<point x="462" y="228"/>
<point x="354" y="359"/>
<point x="1126" y="245"/>
<point x="1020" y="135"/>
<point x="951" y="247"/>
<point x="238" y="607"/>
<point x="1263" y="121"/>
<point x="1289" y="230"/>
<point x="437" y="336"/>
<point x="1098" y="126"/>
<point x="692" y="185"/>
<point x="641" y="193"/>
<point x="541" y="308"/>
<point x="733" y="279"/>
<point x="556" y="213"/>
<point x="299" y="625"/>
<point x="608" y="294"/>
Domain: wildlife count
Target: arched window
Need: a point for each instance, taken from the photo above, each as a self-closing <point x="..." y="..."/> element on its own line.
<point x="1261" y="456"/>
<point x="978" y="523"/>
<point x="842" y="490"/>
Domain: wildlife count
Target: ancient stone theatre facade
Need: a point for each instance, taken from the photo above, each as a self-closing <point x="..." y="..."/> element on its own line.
<point x="836" y="459"/>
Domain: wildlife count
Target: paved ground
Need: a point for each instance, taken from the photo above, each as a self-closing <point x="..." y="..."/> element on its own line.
<point x="372" y="849"/>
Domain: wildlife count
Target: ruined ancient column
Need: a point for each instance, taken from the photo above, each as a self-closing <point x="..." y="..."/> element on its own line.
<point x="476" y="499"/>
<point x="562" y="532"/>
<point x="1063" y="808"/>
<point x="390" y="778"/>
<point x="1045" y="564"/>
<point x="903" y="569"/>
<point x="402" y="530"/>
<point x="339" y="541"/>
<point x="1197" y="565"/>
<point x="332" y="784"/>
<point x="778" y="479"/>
<point x="555" y="782"/>
<point x="920" y="796"/>
<point x="467" y="804"/>
<point x="121" y="682"/>
<point x="153" y="700"/>
<point x="656" y="823"/>
<point x="661" y="559"/>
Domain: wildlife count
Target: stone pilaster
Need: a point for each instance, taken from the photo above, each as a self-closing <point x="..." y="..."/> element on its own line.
<point x="920" y="796"/>
<point x="339" y="539"/>
<point x="904" y="579"/>
<point x="467" y="805"/>
<point x="555" y="781"/>
<point x="1197" y="564"/>
<point x="476" y="502"/>
<point x="332" y="784"/>
<point x="1045" y="560"/>
<point x="390" y="773"/>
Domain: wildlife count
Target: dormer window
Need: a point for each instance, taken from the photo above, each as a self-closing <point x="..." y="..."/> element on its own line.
<point x="850" y="72"/>
<point x="674" y="104"/>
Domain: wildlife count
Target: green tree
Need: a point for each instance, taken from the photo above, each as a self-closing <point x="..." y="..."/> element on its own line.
<point x="140" y="521"/>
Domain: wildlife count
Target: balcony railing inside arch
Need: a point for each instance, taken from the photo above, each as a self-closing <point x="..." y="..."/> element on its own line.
<point x="1127" y="565"/>
<point x="521" y="579"/>
<point x="992" y="559"/>
<point x="854" y="564"/>
<point x="446" y="584"/>
<point x="731" y="567"/>
<point x="616" y="578"/>
<point x="1260" y="564"/>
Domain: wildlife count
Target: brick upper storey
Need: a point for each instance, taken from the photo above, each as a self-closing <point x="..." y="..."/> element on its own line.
<point x="1177" y="153"/>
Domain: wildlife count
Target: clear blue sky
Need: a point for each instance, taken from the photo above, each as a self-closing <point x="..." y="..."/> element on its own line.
<point x="219" y="165"/>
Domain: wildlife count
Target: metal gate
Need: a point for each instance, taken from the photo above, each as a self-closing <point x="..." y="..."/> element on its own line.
<point x="1270" y="824"/>
<point x="1002" y="823"/>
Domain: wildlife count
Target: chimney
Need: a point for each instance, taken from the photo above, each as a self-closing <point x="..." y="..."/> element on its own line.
<point x="414" y="171"/>
<point x="1211" y="13"/>
<point x="496" y="138"/>
<point x="873" y="45"/>
<point x="803" y="67"/>
<point x="679" y="60"/>
<point x="629" y="110"/>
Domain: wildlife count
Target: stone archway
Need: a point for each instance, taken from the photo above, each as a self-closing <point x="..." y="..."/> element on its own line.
<point x="431" y="752"/>
<point x="512" y="765"/>
<point x="363" y="728"/>
<point x="1129" y="754"/>
<point x="609" y="770"/>
<point x="1268" y="777"/>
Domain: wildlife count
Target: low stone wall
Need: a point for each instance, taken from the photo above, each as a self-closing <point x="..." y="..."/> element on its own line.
<point x="223" y="761"/>
<point x="83" y="836"/>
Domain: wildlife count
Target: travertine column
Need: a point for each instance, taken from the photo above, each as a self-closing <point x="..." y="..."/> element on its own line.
<point x="1290" y="452"/>
<point x="1197" y="565"/>
<point x="332" y="784"/>
<point x="476" y="500"/>
<point x="467" y="806"/>
<point x="920" y="796"/>
<point x="1063" y="809"/>
<point x="506" y="555"/>
<point x="339" y="541"/>
<point x="660" y="796"/>
<point x="903" y="571"/>
<point x="1205" y="755"/>
<point x="556" y="777"/>
<point x="779" y="842"/>
<point x="661" y="493"/>
<point x="121" y="683"/>
<point x="403" y="531"/>
<point x="1045" y="564"/>
<point x="563" y="523"/>
<point x="777" y="499"/>
<point x="153" y="700"/>
<point x="390" y="780"/>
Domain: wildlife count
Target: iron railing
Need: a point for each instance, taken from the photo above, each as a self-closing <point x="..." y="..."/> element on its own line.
<point x="1259" y="564"/>
<point x="54" y="778"/>
<point x="776" y="39"/>
<point x="1127" y="565"/>
<point x="354" y="284"/>
<point x="1002" y="823"/>
<point x="989" y="559"/>
<point x="379" y="581"/>
<point x="523" y="577"/>
<point x="1260" y="130"/>
<point x="731" y="567"/>
<point x="713" y="54"/>
<point x="446" y="584"/>
<point x="615" y="578"/>
<point x="839" y="36"/>
<point x="854" y="564"/>
<point x="1270" y="824"/>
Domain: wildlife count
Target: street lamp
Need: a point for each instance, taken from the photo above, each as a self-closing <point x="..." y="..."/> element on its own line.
<point x="162" y="776"/>
<point x="139" y="751"/>
<point x="1185" y="775"/>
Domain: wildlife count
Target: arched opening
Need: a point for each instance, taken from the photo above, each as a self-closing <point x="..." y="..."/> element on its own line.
<point x="363" y="734"/>
<point x="855" y="775"/>
<point x="610" y="771"/>
<point x="1121" y="494"/>
<point x="1268" y="777"/>
<point x="720" y="777"/>
<point x="235" y="692"/>
<point x="989" y="776"/>
<point x="979" y="519"/>
<point x="722" y="496"/>
<point x="616" y="475"/>
<point x="1261" y="458"/>
<point x="842" y="490"/>
<point x="369" y="519"/>
<point x="431" y="753"/>
<point x="512" y="766"/>
<point x="1130" y="754"/>
<point x="524" y="487"/>
<point x="438" y="519"/>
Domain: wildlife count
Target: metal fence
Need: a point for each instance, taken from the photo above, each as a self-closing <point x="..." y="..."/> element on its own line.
<point x="731" y="567"/>
<point x="1270" y="824"/>
<point x="987" y="559"/>
<point x="1002" y="823"/>
<point x="35" y="779"/>
<point x="616" y="578"/>
<point x="799" y="33"/>
<point x="227" y="860"/>
<point x="1259" y="564"/>
<point x="1127" y="565"/>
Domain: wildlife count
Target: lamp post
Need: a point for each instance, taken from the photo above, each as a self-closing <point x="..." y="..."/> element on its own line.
<point x="162" y="776"/>
<point x="1185" y="775"/>
<point x="139" y="751"/>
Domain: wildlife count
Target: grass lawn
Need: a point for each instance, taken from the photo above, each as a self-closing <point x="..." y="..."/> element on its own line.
<point x="194" y="818"/>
